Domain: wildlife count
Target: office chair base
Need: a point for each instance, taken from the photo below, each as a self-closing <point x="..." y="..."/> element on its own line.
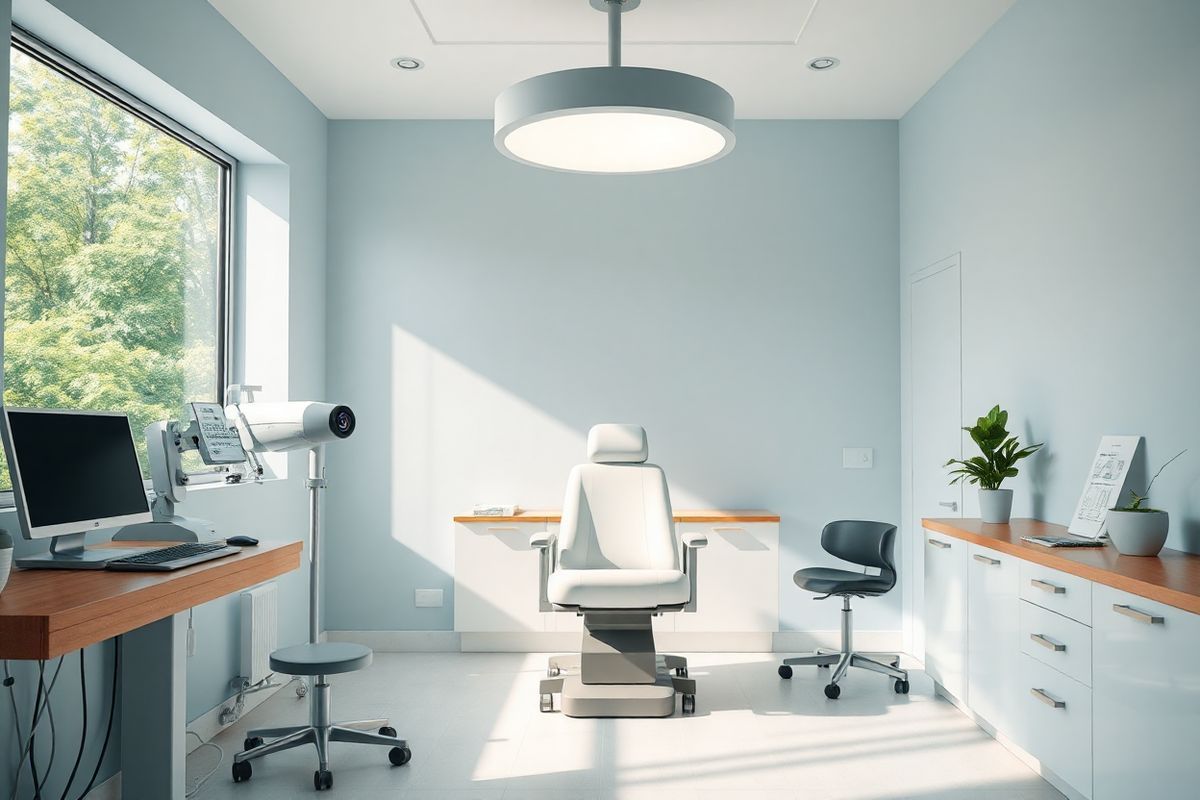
<point x="841" y="660"/>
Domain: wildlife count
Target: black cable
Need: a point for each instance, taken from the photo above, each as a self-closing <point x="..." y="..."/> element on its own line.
<point x="112" y="707"/>
<point x="83" y="730"/>
<point x="53" y="746"/>
<point x="37" y="701"/>
<point x="33" y="723"/>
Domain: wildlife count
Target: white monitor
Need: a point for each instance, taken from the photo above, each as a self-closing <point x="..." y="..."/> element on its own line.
<point x="73" y="472"/>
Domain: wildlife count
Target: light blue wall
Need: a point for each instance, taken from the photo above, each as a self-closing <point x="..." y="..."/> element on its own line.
<point x="247" y="106"/>
<point x="1060" y="156"/>
<point x="483" y="314"/>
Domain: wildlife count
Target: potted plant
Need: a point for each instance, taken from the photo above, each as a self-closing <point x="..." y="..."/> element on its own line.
<point x="1137" y="530"/>
<point x="1001" y="453"/>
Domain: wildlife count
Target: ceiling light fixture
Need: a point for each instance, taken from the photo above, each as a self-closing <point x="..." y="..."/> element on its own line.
<point x="407" y="63"/>
<point x="614" y="120"/>
<point x="823" y="63"/>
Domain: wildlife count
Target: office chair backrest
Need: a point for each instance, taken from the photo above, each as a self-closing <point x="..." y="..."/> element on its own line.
<point x="617" y="511"/>
<point x="860" y="542"/>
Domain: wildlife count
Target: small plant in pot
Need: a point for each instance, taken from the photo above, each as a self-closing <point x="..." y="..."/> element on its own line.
<point x="1001" y="453"/>
<point x="1136" y="529"/>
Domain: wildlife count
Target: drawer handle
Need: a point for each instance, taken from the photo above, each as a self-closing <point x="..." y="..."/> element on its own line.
<point x="1140" y="616"/>
<point x="991" y="562"/>
<point x="718" y="530"/>
<point x="1049" y="644"/>
<point x="1046" y="586"/>
<point x="1047" y="699"/>
<point x="939" y="543"/>
<point x="503" y="528"/>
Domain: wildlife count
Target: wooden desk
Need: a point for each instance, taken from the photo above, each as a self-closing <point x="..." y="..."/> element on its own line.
<point x="1172" y="578"/>
<point x="46" y="613"/>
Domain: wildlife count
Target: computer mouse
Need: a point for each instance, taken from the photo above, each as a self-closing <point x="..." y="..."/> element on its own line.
<point x="242" y="541"/>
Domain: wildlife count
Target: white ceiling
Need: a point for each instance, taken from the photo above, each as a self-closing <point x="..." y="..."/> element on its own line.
<point x="337" y="53"/>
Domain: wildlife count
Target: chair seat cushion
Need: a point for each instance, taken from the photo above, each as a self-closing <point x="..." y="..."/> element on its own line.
<point x="618" y="588"/>
<point x="826" y="580"/>
<point x="324" y="658"/>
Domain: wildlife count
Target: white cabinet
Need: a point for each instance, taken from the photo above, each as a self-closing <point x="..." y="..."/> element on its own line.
<point x="1146" y="680"/>
<point x="496" y="578"/>
<point x="1057" y="723"/>
<point x="992" y="630"/>
<point x="737" y="580"/>
<point x="946" y="612"/>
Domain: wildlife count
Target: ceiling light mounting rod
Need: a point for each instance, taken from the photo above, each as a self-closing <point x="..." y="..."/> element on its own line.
<point x="614" y="32"/>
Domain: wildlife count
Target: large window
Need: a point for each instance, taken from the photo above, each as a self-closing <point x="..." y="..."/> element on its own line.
<point x="116" y="251"/>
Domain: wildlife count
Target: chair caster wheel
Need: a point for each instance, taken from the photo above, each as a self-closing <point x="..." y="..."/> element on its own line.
<point x="251" y="743"/>
<point x="553" y="672"/>
<point x="322" y="780"/>
<point x="681" y="672"/>
<point x="822" y="666"/>
<point x="547" y="703"/>
<point x="785" y="672"/>
<point x="399" y="756"/>
<point x="301" y="689"/>
<point x="242" y="771"/>
<point x="833" y="691"/>
<point x="689" y="704"/>
<point x="901" y="687"/>
<point x="387" y="730"/>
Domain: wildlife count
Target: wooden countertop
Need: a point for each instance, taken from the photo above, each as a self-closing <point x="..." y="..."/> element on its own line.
<point x="681" y="515"/>
<point x="46" y="612"/>
<point x="1171" y="578"/>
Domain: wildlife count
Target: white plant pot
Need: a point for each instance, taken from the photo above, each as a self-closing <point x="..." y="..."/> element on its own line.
<point x="1138" y="533"/>
<point x="6" y="557"/>
<point x="995" y="505"/>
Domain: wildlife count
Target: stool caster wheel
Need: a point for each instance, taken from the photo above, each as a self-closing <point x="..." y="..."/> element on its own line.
<point x="822" y="666"/>
<point x="301" y="689"/>
<point x="251" y="743"/>
<point x="399" y="756"/>
<point x="322" y="780"/>
<point x="689" y="704"/>
<point x="901" y="687"/>
<point x="785" y="672"/>
<point x="547" y="703"/>
<point x="833" y="691"/>
<point x="242" y="771"/>
<point x="387" y="730"/>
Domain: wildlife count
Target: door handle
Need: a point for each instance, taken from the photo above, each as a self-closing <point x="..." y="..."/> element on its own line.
<point x="982" y="559"/>
<point x="1049" y="644"/>
<point x="1046" y="586"/>
<point x="950" y="504"/>
<point x="1140" y="616"/>
<point x="939" y="543"/>
<point x="1047" y="699"/>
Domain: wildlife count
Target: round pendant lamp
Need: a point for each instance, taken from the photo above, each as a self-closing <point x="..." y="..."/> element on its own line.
<point x="614" y="120"/>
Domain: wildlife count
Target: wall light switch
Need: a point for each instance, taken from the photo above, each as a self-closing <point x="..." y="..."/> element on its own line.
<point x="429" y="598"/>
<point x="858" y="458"/>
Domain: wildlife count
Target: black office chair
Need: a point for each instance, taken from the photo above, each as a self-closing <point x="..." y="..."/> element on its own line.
<point x="859" y="542"/>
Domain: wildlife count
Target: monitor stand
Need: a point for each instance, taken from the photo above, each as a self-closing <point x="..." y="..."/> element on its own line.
<point x="68" y="552"/>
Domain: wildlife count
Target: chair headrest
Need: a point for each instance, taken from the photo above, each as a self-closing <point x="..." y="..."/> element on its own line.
<point x="611" y="443"/>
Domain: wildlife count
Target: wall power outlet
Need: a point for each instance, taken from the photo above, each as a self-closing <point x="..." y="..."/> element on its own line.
<point x="428" y="598"/>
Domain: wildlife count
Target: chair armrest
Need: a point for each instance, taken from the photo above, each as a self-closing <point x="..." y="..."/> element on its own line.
<point x="541" y="540"/>
<point x="692" y="542"/>
<point x="544" y="542"/>
<point x="695" y="541"/>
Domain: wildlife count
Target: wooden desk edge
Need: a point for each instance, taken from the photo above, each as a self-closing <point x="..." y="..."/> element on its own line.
<point x="689" y="515"/>
<point x="1050" y="557"/>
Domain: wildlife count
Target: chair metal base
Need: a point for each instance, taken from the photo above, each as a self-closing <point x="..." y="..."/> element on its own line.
<point x="883" y="663"/>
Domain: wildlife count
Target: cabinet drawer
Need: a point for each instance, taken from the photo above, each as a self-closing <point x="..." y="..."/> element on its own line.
<point x="1049" y="588"/>
<point x="1057" y="718"/>
<point x="496" y="578"/>
<point x="737" y="579"/>
<point x="1057" y="641"/>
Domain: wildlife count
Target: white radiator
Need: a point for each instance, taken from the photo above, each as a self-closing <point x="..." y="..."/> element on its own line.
<point x="260" y="630"/>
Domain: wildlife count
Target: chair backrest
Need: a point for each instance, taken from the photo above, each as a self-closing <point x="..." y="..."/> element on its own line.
<point x="617" y="511"/>
<point x="861" y="542"/>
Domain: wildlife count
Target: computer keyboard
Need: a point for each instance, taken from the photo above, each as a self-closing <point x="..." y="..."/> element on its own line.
<point x="174" y="557"/>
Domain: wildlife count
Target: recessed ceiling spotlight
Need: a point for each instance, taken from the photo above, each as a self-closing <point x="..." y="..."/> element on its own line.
<point x="407" y="63"/>
<point x="823" y="63"/>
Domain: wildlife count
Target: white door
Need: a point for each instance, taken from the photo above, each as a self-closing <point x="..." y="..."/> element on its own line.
<point x="935" y="411"/>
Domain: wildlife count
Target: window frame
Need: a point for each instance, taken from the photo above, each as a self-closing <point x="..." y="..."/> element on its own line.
<point x="58" y="61"/>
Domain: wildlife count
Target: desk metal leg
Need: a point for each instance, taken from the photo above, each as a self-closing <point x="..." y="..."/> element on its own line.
<point x="153" y="710"/>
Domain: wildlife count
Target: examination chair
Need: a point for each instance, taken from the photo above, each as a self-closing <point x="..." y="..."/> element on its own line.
<point x="616" y="561"/>
<point x="868" y="544"/>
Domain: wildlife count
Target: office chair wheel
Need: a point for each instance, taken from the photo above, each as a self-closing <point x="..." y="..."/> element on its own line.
<point x="833" y="691"/>
<point x="901" y="687"/>
<point x="547" y="703"/>
<point x="822" y="666"/>
<point x="251" y="743"/>
<point x="689" y="704"/>
<point x="387" y="730"/>
<point x="553" y="672"/>
<point x="322" y="780"/>
<point x="242" y="771"/>
<point x="681" y="672"/>
<point x="785" y="672"/>
<point x="399" y="756"/>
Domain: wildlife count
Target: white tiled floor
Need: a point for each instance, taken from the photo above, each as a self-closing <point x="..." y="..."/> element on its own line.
<point x="473" y="723"/>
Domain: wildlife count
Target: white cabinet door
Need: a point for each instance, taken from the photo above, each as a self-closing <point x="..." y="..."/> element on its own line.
<point x="946" y="612"/>
<point x="1146" y="697"/>
<point x="1058" y="720"/>
<point x="496" y="578"/>
<point x="992" y="646"/>
<point x="737" y="580"/>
